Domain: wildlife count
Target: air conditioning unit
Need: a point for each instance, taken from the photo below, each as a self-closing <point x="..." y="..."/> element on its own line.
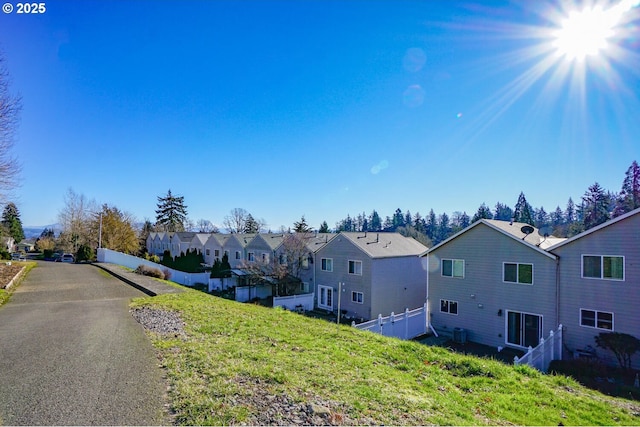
<point x="459" y="335"/>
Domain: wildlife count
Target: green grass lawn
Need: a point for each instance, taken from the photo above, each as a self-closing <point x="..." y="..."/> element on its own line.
<point x="232" y="350"/>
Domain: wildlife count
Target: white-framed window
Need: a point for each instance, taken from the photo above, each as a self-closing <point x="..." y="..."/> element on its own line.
<point x="608" y="267"/>
<point x="238" y="255"/>
<point x="207" y="251"/>
<point x="357" y="297"/>
<point x="216" y="253"/>
<point x="265" y="258"/>
<point x="355" y="267"/>
<point x="447" y="306"/>
<point x="325" y="297"/>
<point x="251" y="256"/>
<point x="326" y="264"/>
<point x="514" y="272"/>
<point x="596" y="319"/>
<point x="453" y="268"/>
<point x="304" y="262"/>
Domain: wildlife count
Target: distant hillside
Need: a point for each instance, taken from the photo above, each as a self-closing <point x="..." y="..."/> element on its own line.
<point x="34" y="231"/>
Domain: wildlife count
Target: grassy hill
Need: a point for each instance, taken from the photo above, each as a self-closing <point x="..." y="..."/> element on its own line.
<point x="245" y="364"/>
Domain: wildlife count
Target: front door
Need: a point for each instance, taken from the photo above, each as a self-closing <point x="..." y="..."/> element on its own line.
<point x="325" y="297"/>
<point x="523" y="329"/>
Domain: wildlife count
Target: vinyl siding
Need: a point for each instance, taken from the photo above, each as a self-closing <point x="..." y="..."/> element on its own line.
<point x="398" y="283"/>
<point x="621" y="298"/>
<point x="341" y="250"/>
<point x="482" y="293"/>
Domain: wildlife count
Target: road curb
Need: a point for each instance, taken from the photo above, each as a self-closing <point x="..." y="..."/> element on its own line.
<point x="17" y="277"/>
<point x="144" y="284"/>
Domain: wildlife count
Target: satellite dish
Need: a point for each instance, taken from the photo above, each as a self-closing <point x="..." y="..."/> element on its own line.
<point x="527" y="229"/>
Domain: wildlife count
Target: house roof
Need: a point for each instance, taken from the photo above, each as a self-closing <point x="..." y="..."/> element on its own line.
<point x="220" y="239"/>
<point x="184" y="236"/>
<point x="514" y="230"/>
<point x="318" y="240"/>
<point x="596" y="228"/>
<point x="272" y="240"/>
<point x="385" y="245"/>
<point x="200" y="238"/>
<point x="243" y="239"/>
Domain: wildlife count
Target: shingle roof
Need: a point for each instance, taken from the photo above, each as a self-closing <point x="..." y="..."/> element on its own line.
<point x="384" y="245"/>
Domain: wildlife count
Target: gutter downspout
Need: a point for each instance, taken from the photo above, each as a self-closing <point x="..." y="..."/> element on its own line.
<point x="557" y="290"/>
<point x="428" y="313"/>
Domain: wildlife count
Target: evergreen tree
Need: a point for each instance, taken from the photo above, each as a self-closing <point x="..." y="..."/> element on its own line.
<point x="503" y="212"/>
<point x="251" y="226"/>
<point x="324" y="227"/>
<point x="523" y="211"/>
<point x="541" y="218"/>
<point x="596" y="206"/>
<point x="431" y="225"/>
<point x="419" y="223"/>
<point x="398" y="219"/>
<point x="171" y="214"/>
<point x="570" y="212"/>
<point x="483" y="213"/>
<point x="11" y="221"/>
<point x="444" y="228"/>
<point x="375" y="223"/>
<point x="301" y="226"/>
<point x="629" y="198"/>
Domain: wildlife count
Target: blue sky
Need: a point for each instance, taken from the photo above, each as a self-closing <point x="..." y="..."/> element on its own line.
<point x="316" y="108"/>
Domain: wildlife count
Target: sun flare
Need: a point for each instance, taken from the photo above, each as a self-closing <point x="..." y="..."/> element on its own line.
<point x="588" y="32"/>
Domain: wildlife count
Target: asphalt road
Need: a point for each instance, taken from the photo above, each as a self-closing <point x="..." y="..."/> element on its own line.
<point x="71" y="354"/>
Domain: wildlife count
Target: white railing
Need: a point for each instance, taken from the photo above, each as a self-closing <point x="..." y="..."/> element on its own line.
<point x="407" y="325"/>
<point x="541" y="356"/>
<point x="294" y="301"/>
<point x="132" y="262"/>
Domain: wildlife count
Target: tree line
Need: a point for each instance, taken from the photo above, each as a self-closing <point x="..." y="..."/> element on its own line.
<point x="596" y="206"/>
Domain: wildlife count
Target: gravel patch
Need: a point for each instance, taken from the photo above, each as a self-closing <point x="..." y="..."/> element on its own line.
<point x="161" y="322"/>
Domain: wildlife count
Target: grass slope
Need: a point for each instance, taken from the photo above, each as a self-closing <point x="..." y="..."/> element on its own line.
<point x="232" y="350"/>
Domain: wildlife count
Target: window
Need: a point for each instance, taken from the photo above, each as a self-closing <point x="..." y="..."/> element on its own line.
<point x="207" y="252"/>
<point x="264" y="258"/>
<point x="357" y="297"/>
<point x="355" y="267"/>
<point x="251" y="256"/>
<point x="282" y="259"/>
<point x="596" y="319"/>
<point x="603" y="267"/>
<point x="453" y="268"/>
<point x="216" y="253"/>
<point x="238" y="255"/>
<point x="518" y="273"/>
<point x="327" y="264"/>
<point x="450" y="307"/>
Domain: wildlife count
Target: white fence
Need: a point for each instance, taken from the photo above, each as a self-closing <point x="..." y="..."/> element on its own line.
<point x="132" y="262"/>
<point x="294" y="301"/>
<point x="410" y="324"/>
<point x="541" y="356"/>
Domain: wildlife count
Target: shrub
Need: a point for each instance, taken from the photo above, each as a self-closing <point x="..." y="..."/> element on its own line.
<point x="167" y="274"/>
<point x="150" y="271"/>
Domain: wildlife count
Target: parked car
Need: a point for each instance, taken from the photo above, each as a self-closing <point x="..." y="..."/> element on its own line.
<point x="17" y="256"/>
<point x="67" y="258"/>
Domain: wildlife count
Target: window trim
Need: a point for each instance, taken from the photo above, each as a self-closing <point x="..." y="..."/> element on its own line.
<point x="323" y="263"/>
<point x="595" y="319"/>
<point x="453" y="262"/>
<point x="448" y="305"/>
<point x="327" y="289"/>
<point x="602" y="257"/>
<point x="517" y="264"/>
<point x="251" y="256"/>
<point x="354" y="294"/>
<point x="355" y="270"/>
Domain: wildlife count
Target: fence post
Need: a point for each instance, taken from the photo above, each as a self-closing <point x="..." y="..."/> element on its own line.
<point x="516" y="361"/>
<point x="529" y="354"/>
<point x="353" y="323"/>
<point x="406" y="323"/>
<point x="543" y="366"/>
<point x="380" y="323"/>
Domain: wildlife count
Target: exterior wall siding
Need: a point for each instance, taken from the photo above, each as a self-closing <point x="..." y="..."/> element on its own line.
<point x="483" y="298"/>
<point x="398" y="283"/>
<point x="621" y="298"/>
<point x="341" y="250"/>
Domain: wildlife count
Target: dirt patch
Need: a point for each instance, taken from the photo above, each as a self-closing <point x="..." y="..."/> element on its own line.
<point x="8" y="272"/>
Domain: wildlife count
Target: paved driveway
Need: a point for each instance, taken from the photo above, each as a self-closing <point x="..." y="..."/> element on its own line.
<point x="71" y="354"/>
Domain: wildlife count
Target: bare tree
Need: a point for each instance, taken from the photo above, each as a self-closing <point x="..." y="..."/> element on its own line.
<point x="241" y="221"/>
<point x="206" y="226"/>
<point x="10" y="106"/>
<point x="75" y="219"/>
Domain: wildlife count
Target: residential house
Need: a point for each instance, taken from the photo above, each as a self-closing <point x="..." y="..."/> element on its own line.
<point x="367" y="274"/>
<point x="600" y="283"/>
<point x="262" y="248"/>
<point x="493" y="283"/>
<point x="235" y="246"/>
<point x="214" y="247"/>
<point x="154" y="243"/>
<point x="198" y="241"/>
<point x="181" y="242"/>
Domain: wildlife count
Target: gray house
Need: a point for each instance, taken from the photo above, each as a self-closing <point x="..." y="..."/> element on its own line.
<point x="600" y="283"/>
<point x="493" y="283"/>
<point x="370" y="274"/>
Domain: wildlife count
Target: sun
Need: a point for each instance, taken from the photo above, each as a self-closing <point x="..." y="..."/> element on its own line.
<point x="584" y="33"/>
<point x="588" y="32"/>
